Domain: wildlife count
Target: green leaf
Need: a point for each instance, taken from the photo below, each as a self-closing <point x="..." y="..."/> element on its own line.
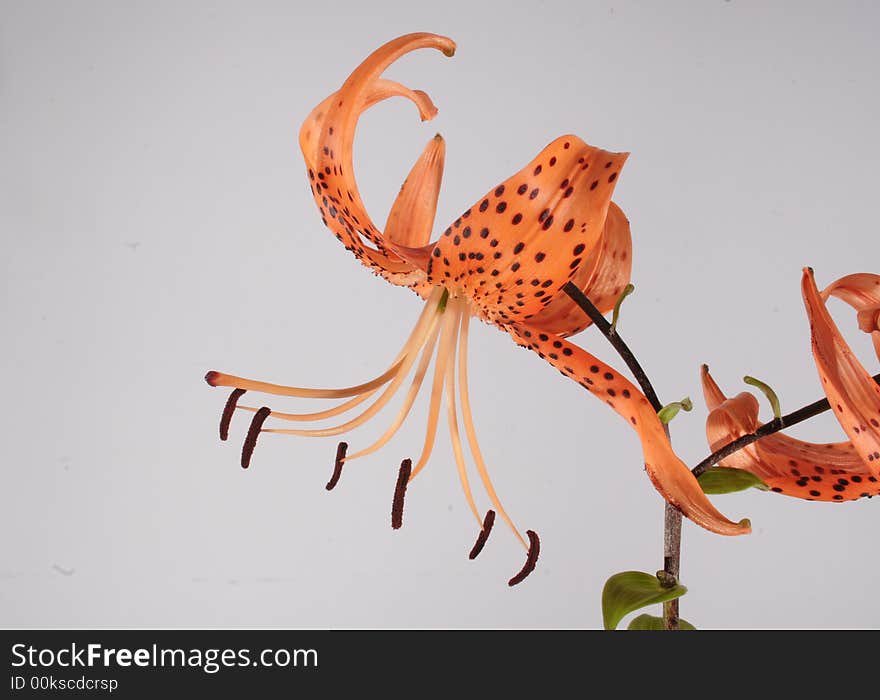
<point x="729" y="480"/>
<point x="627" y="290"/>
<point x="768" y="392"/>
<point x="631" y="590"/>
<point x="670" y="410"/>
<point x="651" y="622"/>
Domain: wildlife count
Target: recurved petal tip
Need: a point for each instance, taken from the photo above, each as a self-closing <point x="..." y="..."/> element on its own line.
<point x="427" y="109"/>
<point x="676" y="484"/>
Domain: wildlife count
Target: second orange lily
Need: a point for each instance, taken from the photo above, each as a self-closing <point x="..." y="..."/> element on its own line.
<point x="841" y="471"/>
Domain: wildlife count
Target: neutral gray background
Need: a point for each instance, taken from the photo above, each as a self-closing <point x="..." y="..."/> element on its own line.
<point x="156" y="223"/>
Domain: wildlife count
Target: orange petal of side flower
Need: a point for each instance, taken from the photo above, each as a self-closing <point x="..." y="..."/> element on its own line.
<point x="852" y="392"/>
<point x="862" y="292"/>
<point x="817" y="472"/>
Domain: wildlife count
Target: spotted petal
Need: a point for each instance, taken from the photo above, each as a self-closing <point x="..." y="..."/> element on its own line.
<point x="601" y="277"/>
<point x="670" y="475"/>
<point x="816" y="472"/>
<point x="327" y="138"/>
<point x="514" y="250"/>
<point x="853" y="394"/>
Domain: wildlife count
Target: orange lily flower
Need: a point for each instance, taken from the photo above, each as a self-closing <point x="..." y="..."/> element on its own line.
<point x="842" y="471"/>
<point x="504" y="261"/>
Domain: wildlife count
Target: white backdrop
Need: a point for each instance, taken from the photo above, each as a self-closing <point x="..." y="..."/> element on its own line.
<point x="156" y="223"/>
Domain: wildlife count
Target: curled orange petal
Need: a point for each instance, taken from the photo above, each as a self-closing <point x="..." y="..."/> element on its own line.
<point x="327" y="138"/>
<point x="670" y="476"/>
<point x="853" y="394"/>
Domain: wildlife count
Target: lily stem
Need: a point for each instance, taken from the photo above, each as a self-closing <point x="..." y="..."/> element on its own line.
<point x="774" y="426"/>
<point x="616" y="341"/>
<point x="671" y="516"/>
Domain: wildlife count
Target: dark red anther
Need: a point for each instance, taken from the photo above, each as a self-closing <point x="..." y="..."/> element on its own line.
<point x="228" y="410"/>
<point x="250" y="442"/>
<point x="337" y="467"/>
<point x="531" y="559"/>
<point x="488" y="522"/>
<point x="399" y="493"/>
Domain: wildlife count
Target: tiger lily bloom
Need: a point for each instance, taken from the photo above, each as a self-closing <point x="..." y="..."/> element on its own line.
<point x="503" y="261"/>
<point x="841" y="471"/>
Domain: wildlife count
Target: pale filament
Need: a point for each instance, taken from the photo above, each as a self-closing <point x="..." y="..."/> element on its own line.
<point x="220" y="379"/>
<point x="414" y="388"/>
<point x="447" y="348"/>
<point x="428" y="313"/>
<point x="449" y="381"/>
<point x="444" y="329"/>
<point x="469" y="429"/>
<point x="382" y="401"/>
<point x="318" y="415"/>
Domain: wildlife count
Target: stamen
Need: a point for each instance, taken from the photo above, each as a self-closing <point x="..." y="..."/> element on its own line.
<point x="471" y="431"/>
<point x="428" y="313"/>
<point x="399" y="493"/>
<point x="337" y="467"/>
<point x="250" y="442"/>
<point x="446" y="350"/>
<point x="228" y="410"/>
<point x="377" y="406"/>
<point x="318" y="415"/>
<point x="488" y="522"/>
<point x="221" y="379"/>
<point x="453" y="319"/>
<point x="416" y="385"/>
<point x="531" y="559"/>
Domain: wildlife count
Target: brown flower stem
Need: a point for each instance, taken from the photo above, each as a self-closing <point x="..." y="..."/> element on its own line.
<point x="616" y="341"/>
<point x="774" y="426"/>
<point x="671" y="516"/>
<point x="671" y="560"/>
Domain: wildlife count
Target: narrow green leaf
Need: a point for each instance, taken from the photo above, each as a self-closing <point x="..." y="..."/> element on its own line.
<point x="627" y="290"/>
<point x="651" y="622"/>
<point x="729" y="480"/>
<point x="670" y="410"/>
<point x="768" y="392"/>
<point x="631" y="590"/>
